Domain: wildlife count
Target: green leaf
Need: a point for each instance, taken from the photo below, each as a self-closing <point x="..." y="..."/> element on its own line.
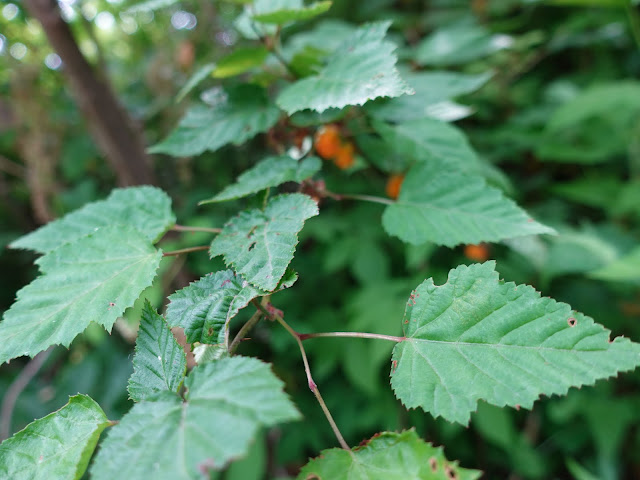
<point x="94" y="279"/>
<point x="459" y="43"/>
<point x="225" y="404"/>
<point x="56" y="447"/>
<point x="431" y="89"/>
<point x="245" y="112"/>
<point x="578" y="251"/>
<point x="386" y="456"/>
<point x="159" y="363"/>
<point x="361" y="69"/>
<point x="476" y="338"/>
<point x="204" y="308"/>
<point x="282" y="12"/>
<point x="624" y="269"/>
<point x="260" y="244"/>
<point x="594" y="126"/>
<point x="448" y="207"/>
<point x="429" y="138"/>
<point x="240" y="60"/>
<point x="148" y="209"/>
<point x="270" y="172"/>
<point x="195" y="79"/>
<point x="151" y="5"/>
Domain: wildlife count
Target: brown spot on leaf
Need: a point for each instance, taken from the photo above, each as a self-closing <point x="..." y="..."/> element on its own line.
<point x="433" y="464"/>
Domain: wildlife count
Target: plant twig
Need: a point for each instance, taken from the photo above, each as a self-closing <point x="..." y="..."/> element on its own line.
<point x="253" y="321"/>
<point x="30" y="370"/>
<point x="185" y="250"/>
<point x="312" y="385"/>
<point x="378" y="336"/>
<point x="184" y="228"/>
<point x="12" y="168"/>
<point x="355" y="196"/>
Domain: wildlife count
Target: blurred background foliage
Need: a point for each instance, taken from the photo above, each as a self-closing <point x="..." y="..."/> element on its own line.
<point x="559" y="118"/>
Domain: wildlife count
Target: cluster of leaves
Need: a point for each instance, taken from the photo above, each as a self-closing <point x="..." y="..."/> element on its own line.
<point x="472" y="338"/>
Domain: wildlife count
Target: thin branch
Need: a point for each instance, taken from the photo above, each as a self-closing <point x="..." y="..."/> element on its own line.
<point x="378" y="336"/>
<point x="185" y="250"/>
<point x="185" y="228"/>
<point x="12" y="168"/>
<point x="355" y="196"/>
<point x="30" y="370"/>
<point x="312" y="385"/>
<point x="253" y="321"/>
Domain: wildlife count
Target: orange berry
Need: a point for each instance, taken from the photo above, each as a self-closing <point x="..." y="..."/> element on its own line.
<point x="327" y="141"/>
<point x="393" y="185"/>
<point x="344" y="158"/>
<point x="477" y="253"/>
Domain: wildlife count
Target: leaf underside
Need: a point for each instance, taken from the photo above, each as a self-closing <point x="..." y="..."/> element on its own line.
<point x="476" y="338"/>
<point x="260" y="244"/>
<point x="145" y="208"/>
<point x="35" y="452"/>
<point x="386" y="456"/>
<point x="159" y="363"/>
<point x="94" y="279"/>
<point x="362" y="68"/>
<point x="168" y="438"/>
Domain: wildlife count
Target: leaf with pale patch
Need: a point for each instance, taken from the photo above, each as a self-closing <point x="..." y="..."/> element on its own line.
<point x="432" y="89"/>
<point x="477" y="338"/>
<point x="159" y="364"/>
<point x="259" y="244"/>
<point x="270" y="172"/>
<point x="386" y="456"/>
<point x="94" y="279"/>
<point x="56" y="447"/>
<point x="227" y="401"/>
<point x="145" y="208"/>
<point x="623" y="269"/>
<point x="244" y="112"/>
<point x="361" y="69"/>
<point x="446" y="206"/>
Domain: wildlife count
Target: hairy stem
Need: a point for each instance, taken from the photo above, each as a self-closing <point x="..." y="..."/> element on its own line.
<point x="312" y="385"/>
<point x="355" y="196"/>
<point x="252" y="322"/>
<point x="185" y="250"/>
<point x="184" y="228"/>
<point x="30" y="370"/>
<point x="378" y="336"/>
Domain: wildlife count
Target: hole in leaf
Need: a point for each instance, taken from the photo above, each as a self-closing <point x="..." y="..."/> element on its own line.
<point x="433" y="464"/>
<point x="572" y="321"/>
<point x="450" y="473"/>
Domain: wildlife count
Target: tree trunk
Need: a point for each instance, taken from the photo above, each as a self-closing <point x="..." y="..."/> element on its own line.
<point x="109" y="123"/>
